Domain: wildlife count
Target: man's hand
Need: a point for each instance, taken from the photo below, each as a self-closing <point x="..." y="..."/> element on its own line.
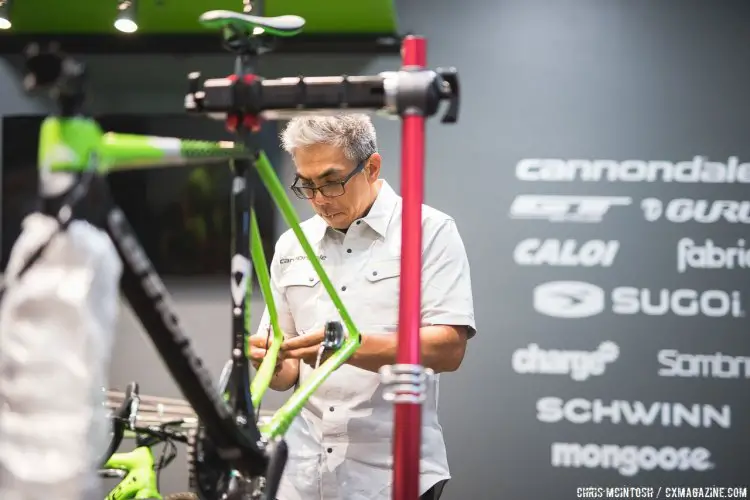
<point x="258" y="350"/>
<point x="305" y="347"/>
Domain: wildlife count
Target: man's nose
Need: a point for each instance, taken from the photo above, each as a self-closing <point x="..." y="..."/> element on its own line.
<point x="319" y="199"/>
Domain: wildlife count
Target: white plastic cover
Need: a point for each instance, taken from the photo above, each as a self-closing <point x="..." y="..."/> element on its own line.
<point x="57" y="324"/>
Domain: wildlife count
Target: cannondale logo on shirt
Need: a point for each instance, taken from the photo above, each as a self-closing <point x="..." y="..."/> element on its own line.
<point x="569" y="299"/>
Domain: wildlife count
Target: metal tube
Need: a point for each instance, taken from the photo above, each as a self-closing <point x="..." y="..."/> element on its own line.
<point x="407" y="422"/>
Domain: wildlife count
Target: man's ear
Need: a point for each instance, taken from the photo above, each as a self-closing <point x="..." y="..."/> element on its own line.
<point x="373" y="167"/>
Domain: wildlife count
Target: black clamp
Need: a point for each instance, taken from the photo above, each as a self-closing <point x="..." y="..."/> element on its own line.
<point x="420" y="92"/>
<point x="333" y="337"/>
<point x="48" y="69"/>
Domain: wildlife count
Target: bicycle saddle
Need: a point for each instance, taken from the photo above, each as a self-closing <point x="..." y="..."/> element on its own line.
<point x="279" y="25"/>
<point x="124" y="414"/>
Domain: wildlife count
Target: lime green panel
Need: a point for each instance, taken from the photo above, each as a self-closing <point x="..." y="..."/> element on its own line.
<point x="181" y="16"/>
<point x="339" y="16"/>
<point x="97" y="16"/>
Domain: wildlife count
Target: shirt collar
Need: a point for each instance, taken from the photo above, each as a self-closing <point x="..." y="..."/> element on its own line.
<point x="377" y="218"/>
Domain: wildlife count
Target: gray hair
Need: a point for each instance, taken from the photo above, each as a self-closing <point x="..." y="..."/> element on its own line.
<point x="354" y="133"/>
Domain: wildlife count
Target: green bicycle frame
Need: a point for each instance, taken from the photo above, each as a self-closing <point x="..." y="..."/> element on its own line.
<point x="76" y="145"/>
<point x="140" y="480"/>
<point x="280" y="421"/>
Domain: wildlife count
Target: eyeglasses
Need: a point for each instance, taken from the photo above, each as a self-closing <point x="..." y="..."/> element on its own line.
<point x="330" y="190"/>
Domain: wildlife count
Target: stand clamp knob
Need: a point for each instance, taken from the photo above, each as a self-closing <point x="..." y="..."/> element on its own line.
<point x="406" y="383"/>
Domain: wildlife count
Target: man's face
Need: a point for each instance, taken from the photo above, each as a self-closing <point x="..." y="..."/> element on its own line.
<point x="321" y="164"/>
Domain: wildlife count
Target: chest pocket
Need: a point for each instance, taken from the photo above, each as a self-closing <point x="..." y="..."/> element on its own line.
<point x="383" y="281"/>
<point x="301" y="287"/>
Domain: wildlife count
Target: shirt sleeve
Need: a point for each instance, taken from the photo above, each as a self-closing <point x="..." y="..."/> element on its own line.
<point x="286" y="321"/>
<point x="446" y="281"/>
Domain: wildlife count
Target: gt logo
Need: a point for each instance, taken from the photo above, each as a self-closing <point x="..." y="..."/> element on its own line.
<point x="564" y="208"/>
<point x="568" y="299"/>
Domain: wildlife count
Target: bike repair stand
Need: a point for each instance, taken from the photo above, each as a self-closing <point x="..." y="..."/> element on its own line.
<point x="246" y="48"/>
<point x="412" y="93"/>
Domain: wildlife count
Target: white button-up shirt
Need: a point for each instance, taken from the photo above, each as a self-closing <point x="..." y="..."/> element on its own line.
<point x="340" y="447"/>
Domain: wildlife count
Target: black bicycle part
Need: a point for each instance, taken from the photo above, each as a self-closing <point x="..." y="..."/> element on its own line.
<point x="152" y="305"/>
<point x="333" y="336"/>
<point x="238" y="389"/>
<point x="279" y="453"/>
<point x="155" y="434"/>
<point x="211" y="475"/>
<point x="152" y="435"/>
<point x="246" y="46"/>
<point x="405" y="92"/>
<point x="62" y="77"/>
<point x="120" y="420"/>
<point x="208" y="473"/>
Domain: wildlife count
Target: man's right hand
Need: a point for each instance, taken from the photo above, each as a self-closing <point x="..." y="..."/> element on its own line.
<point x="258" y="350"/>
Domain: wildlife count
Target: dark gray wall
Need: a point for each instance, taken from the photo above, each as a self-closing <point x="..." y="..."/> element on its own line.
<point x="559" y="79"/>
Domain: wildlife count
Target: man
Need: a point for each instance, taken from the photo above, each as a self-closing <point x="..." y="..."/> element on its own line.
<point x="341" y="444"/>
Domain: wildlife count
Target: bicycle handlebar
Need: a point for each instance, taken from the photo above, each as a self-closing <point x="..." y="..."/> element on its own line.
<point x="158" y="433"/>
<point x="123" y="417"/>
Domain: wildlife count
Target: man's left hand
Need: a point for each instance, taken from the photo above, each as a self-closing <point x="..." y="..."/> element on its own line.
<point x="305" y="347"/>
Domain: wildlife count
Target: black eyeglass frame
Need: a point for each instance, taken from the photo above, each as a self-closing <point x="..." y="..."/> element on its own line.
<point x="297" y="190"/>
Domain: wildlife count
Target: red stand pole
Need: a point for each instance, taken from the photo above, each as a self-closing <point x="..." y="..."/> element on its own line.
<point x="408" y="415"/>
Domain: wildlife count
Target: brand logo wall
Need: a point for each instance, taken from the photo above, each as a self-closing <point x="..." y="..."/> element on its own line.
<point x="596" y="411"/>
<point x="711" y="256"/>
<point x="579" y="365"/>
<point x="555" y="208"/>
<point x="681" y="210"/>
<point x="717" y="365"/>
<point x="565" y="253"/>
<point x="695" y="171"/>
<point x="630" y="460"/>
<point x="577" y="299"/>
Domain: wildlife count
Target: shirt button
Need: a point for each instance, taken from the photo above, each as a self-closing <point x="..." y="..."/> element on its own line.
<point x="348" y="250"/>
<point x="359" y="222"/>
<point x="343" y="288"/>
<point x="330" y="450"/>
<point x="312" y="279"/>
<point x="331" y="408"/>
<point x="374" y="273"/>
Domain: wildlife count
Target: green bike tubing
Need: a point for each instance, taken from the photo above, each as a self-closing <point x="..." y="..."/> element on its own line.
<point x="262" y="379"/>
<point x="140" y="481"/>
<point x="69" y="145"/>
<point x="283" y="417"/>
